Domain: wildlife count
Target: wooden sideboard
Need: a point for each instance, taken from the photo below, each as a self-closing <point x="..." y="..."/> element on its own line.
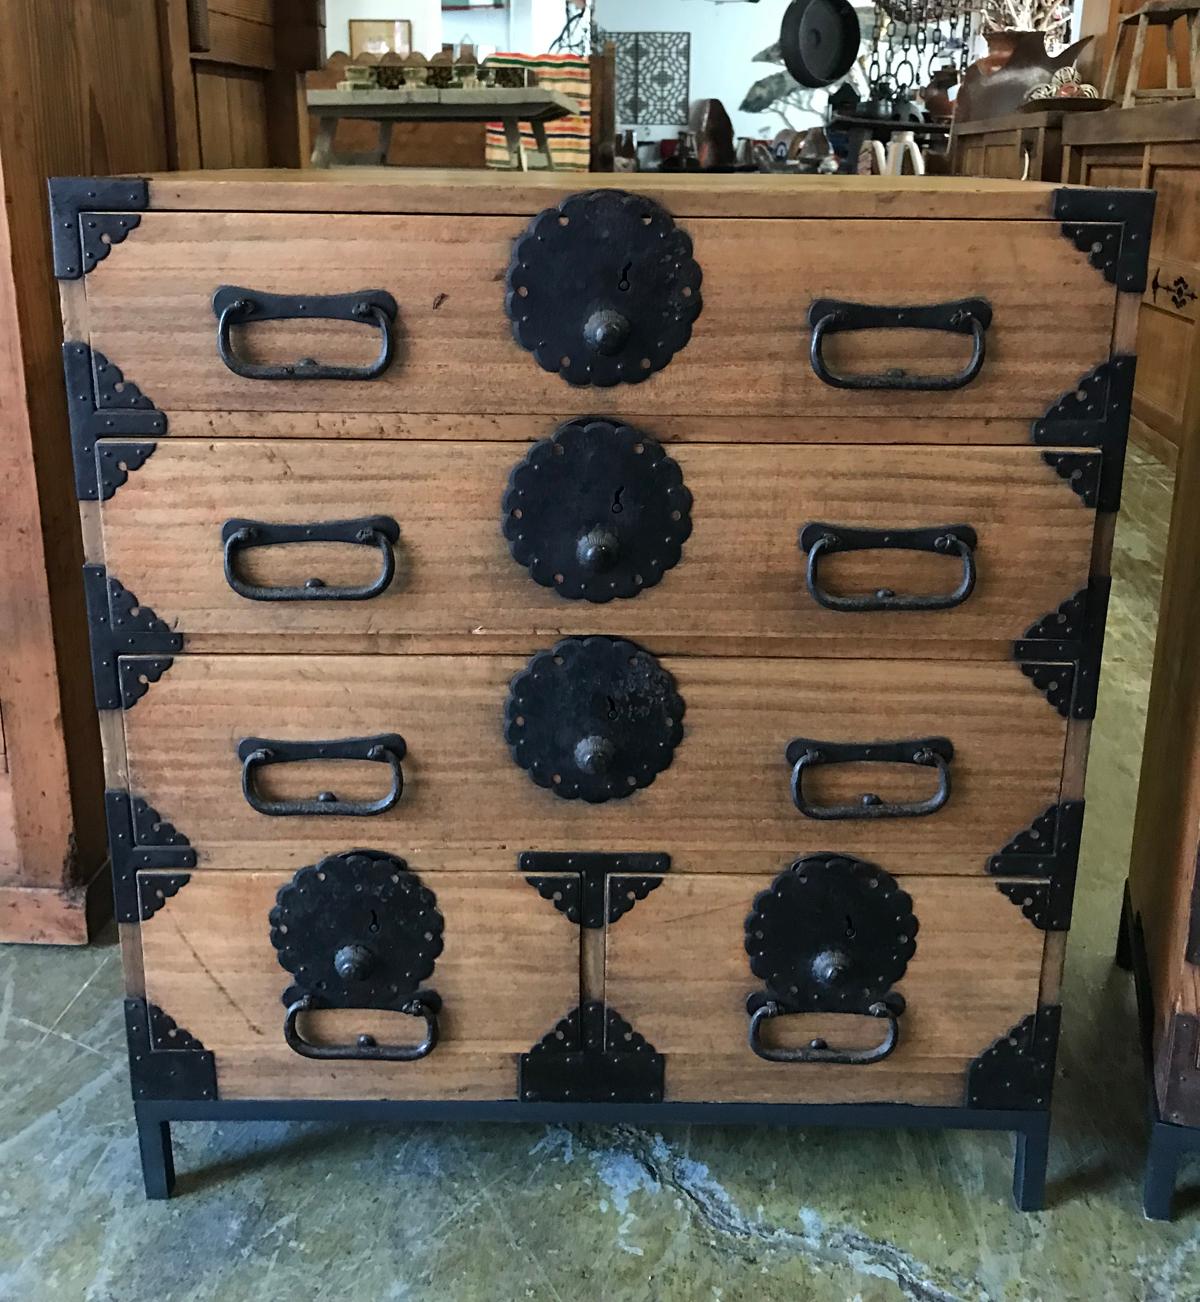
<point x="1155" y="147"/>
<point x="1017" y="146"/>
<point x="89" y="87"/>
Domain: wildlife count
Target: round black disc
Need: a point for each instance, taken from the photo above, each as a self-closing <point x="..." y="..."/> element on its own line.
<point x="594" y="719"/>
<point x="357" y="930"/>
<point x="819" y="40"/>
<point x="832" y="934"/>
<point x="603" y="289"/>
<point x="597" y="511"/>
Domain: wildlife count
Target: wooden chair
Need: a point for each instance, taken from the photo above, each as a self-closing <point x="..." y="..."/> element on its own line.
<point x="1158" y="13"/>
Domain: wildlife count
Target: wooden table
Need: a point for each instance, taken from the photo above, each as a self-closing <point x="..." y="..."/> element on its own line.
<point x="512" y="106"/>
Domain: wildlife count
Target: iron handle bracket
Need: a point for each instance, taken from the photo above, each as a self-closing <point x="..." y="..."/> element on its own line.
<point x="425" y="1004"/>
<point x="817" y="1050"/>
<point x="928" y="752"/>
<point x="257" y="753"/>
<point x="819" y="539"/>
<point x="233" y="305"/>
<point x="966" y="316"/>
<point x="379" y="531"/>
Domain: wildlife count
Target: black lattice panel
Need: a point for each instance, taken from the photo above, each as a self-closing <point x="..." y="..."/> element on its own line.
<point x="653" y="75"/>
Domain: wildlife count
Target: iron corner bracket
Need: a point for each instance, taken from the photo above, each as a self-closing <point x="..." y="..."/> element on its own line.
<point x="1112" y="227"/>
<point x="165" y="1062"/>
<point x="1017" y="1070"/>
<point x="103" y="404"/>
<point x="1047" y="849"/>
<point x="121" y="628"/>
<point x="1061" y="652"/>
<point x="593" y="889"/>
<point x="88" y="215"/>
<point x="138" y="839"/>
<point x="591" y="1056"/>
<point x="1095" y="413"/>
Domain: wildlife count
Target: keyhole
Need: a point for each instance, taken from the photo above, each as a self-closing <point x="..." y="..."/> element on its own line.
<point x="623" y="283"/>
<point x="374" y="922"/>
<point x="617" y="508"/>
<point x="612" y="707"/>
<point x="849" y="927"/>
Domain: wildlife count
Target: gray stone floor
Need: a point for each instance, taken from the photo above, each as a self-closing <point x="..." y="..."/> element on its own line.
<point x="473" y="1212"/>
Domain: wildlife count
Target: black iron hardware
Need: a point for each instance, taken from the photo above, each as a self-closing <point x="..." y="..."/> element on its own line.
<point x="378" y="531"/>
<point x="592" y="1055"/>
<point x="1061" y="652"/>
<point x="137" y="839"/>
<point x="1048" y="848"/>
<point x="603" y="289"/>
<point x="358" y="930"/>
<point x="967" y="316"/>
<point x="155" y="889"/>
<point x="103" y="404"/>
<point x="928" y="752"/>
<point x="257" y="753"/>
<point x="819" y="539"/>
<point x="597" y="511"/>
<point x="1112" y="227"/>
<point x="131" y="646"/>
<point x="88" y="215"/>
<point x="1082" y="472"/>
<point x="832" y="934"/>
<point x="1017" y="1070"/>
<point x="165" y="1062"/>
<point x="233" y="305"/>
<point x="595" y="718"/>
<point x="592" y="888"/>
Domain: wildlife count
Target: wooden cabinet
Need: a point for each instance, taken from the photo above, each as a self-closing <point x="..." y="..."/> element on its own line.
<point x="551" y="667"/>
<point x="1020" y="146"/>
<point x="1158" y="147"/>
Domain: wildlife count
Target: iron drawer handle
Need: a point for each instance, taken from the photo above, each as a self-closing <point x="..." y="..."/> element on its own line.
<point x="379" y="531"/>
<point x="255" y="753"/>
<point x="829" y="316"/>
<point x="820" y="539"/>
<point x="424" y="1004"/>
<point x="929" y="752"/>
<point x="818" y="1050"/>
<point x="233" y="305"/>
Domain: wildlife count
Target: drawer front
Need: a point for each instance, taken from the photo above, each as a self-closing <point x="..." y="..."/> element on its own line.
<point x="186" y="534"/>
<point x="150" y="308"/>
<point x="677" y="969"/>
<point x="503" y="965"/>
<point x="224" y="748"/>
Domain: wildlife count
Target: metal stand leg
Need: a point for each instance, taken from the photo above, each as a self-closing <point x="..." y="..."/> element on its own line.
<point x="1029" y="1168"/>
<point x="1162" y="1171"/>
<point x="1124" y="954"/>
<point x="158" y="1163"/>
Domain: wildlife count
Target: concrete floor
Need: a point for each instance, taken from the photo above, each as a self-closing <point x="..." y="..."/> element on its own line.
<point x="472" y="1212"/>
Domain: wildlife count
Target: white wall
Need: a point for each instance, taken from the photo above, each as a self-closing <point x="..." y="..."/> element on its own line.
<point x="525" y="26"/>
<point x="425" y="16"/>
<point x="725" y="39"/>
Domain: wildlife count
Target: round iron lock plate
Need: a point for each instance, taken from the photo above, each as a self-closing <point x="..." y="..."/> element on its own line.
<point x="597" y="511"/>
<point x="594" y="719"/>
<point x="819" y="40"/>
<point x="357" y="930"/>
<point x="603" y="289"/>
<point x="831" y="934"/>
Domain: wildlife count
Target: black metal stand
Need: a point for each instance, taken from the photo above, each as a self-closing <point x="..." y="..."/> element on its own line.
<point x="1167" y="1143"/>
<point x="1032" y="1128"/>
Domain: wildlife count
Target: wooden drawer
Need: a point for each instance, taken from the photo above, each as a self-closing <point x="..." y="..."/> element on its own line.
<point x="149" y="311"/>
<point x="676" y="968"/>
<point x="723" y="804"/>
<point x="740" y="584"/>
<point x="508" y="969"/>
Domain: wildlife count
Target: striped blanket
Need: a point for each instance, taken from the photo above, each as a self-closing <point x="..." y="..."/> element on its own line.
<point x="569" y="138"/>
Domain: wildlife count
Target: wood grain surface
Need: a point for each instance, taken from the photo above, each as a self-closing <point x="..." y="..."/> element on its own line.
<point x="508" y="971"/>
<point x="149" y="311"/>
<point x="722" y="805"/>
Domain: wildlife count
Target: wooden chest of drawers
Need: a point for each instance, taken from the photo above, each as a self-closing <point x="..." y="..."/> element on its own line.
<point x="596" y="655"/>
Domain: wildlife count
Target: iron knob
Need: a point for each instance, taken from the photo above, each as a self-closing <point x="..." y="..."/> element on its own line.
<point x="598" y="550"/>
<point x="353" y="962"/>
<point x="606" y="331"/>
<point x="594" y="754"/>
<point x="829" y="966"/>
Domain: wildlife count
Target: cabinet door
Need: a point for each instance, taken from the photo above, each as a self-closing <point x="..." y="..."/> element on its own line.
<point x="677" y="968"/>
<point x="490" y="964"/>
